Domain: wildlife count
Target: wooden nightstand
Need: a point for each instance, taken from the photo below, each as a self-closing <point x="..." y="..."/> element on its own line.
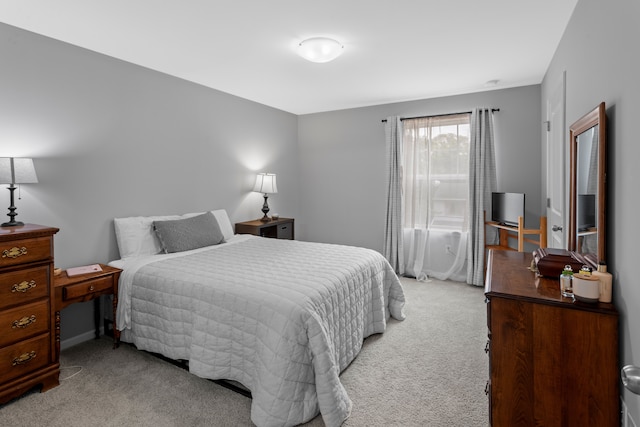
<point x="281" y="228"/>
<point x="86" y="287"/>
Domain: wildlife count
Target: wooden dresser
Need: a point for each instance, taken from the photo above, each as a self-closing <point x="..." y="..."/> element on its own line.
<point x="27" y="319"/>
<point x="552" y="361"/>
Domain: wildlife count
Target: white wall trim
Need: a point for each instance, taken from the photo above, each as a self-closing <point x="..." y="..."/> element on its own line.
<point x="78" y="339"/>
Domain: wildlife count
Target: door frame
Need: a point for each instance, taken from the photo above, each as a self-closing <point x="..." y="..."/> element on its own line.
<point x="551" y="162"/>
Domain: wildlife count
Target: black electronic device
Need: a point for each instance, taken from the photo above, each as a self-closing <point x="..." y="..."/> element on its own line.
<point x="507" y="207"/>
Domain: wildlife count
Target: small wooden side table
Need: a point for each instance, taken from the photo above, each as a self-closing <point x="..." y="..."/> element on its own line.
<point x="281" y="228"/>
<point x="87" y="287"/>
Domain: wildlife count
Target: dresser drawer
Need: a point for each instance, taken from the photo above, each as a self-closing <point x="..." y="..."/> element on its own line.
<point x="25" y="250"/>
<point x="23" y="322"/>
<point x="24" y="357"/>
<point x="22" y="286"/>
<point x="88" y="288"/>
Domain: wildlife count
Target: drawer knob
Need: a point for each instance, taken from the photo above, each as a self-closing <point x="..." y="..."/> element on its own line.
<point x="91" y="288"/>
<point x="24" y="322"/>
<point x="23" y="286"/>
<point x="24" y="358"/>
<point x="14" y="252"/>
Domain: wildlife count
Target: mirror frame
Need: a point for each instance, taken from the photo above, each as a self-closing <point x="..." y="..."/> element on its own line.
<point x="596" y="117"/>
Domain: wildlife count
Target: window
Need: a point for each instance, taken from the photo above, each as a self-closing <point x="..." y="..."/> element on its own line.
<point x="436" y="172"/>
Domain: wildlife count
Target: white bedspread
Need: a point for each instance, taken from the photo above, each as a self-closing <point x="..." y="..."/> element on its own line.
<point x="282" y="317"/>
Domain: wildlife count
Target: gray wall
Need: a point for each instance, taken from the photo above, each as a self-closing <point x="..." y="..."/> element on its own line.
<point x="599" y="51"/>
<point x="111" y="139"/>
<point x="343" y="161"/>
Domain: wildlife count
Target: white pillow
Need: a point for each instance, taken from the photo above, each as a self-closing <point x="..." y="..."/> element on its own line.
<point x="135" y="235"/>
<point x="224" y="223"/>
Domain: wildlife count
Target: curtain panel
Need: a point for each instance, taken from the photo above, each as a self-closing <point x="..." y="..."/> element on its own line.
<point x="436" y="179"/>
<point x="393" y="239"/>
<point x="482" y="182"/>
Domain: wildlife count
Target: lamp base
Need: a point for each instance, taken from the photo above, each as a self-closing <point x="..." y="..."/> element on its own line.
<point x="12" y="210"/>
<point x="12" y="224"/>
<point x="265" y="209"/>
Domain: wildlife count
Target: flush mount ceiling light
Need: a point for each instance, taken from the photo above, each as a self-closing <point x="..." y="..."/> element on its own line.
<point x="320" y="49"/>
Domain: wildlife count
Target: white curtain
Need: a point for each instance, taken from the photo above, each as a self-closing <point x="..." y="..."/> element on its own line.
<point x="393" y="237"/>
<point x="440" y="254"/>
<point x="482" y="182"/>
<point x="435" y="184"/>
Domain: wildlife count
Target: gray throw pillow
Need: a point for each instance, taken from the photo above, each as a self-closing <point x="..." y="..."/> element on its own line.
<point x="188" y="233"/>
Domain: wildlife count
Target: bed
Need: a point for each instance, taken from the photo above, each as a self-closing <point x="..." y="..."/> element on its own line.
<point x="284" y="318"/>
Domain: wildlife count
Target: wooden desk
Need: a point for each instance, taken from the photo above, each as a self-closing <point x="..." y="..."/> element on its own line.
<point x="552" y="361"/>
<point x="87" y="287"/>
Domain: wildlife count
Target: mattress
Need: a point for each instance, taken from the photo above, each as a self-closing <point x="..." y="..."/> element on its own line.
<point x="282" y="317"/>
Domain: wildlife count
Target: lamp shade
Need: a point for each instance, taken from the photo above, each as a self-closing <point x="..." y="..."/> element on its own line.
<point x="15" y="170"/>
<point x="266" y="183"/>
<point x="320" y="49"/>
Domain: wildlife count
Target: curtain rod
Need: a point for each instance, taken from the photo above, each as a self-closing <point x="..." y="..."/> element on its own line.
<point x="493" y="110"/>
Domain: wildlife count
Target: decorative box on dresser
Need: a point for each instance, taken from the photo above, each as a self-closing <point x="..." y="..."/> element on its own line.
<point x="27" y="317"/>
<point x="552" y="361"/>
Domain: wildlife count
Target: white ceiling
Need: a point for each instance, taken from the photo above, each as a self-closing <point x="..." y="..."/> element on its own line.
<point x="394" y="51"/>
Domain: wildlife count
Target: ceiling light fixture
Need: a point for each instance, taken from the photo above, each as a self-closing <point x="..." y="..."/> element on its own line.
<point x="320" y="49"/>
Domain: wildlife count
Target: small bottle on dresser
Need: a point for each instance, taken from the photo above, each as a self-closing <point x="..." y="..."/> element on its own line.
<point x="565" y="281"/>
<point x="606" y="282"/>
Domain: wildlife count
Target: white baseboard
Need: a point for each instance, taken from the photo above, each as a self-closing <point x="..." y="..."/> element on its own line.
<point x="626" y="419"/>
<point x="87" y="336"/>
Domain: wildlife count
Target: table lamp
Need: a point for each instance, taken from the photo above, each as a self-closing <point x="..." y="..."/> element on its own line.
<point x="265" y="184"/>
<point x="14" y="170"/>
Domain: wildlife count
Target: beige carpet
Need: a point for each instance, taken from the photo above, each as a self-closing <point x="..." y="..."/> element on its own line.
<point x="429" y="370"/>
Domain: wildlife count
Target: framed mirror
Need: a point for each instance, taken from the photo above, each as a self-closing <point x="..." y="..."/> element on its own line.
<point x="587" y="186"/>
